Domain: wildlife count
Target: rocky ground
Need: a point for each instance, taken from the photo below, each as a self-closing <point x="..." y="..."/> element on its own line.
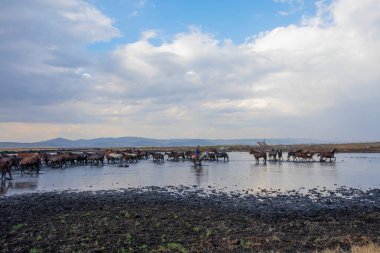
<point x="188" y="219"/>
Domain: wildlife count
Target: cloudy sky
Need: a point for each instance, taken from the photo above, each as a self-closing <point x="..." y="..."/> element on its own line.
<point x="190" y="69"/>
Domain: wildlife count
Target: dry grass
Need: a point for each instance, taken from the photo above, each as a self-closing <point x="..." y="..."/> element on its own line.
<point x="370" y="248"/>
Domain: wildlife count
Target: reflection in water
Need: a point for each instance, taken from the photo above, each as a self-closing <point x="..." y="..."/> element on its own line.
<point x="241" y="172"/>
<point x="18" y="186"/>
<point x="26" y="185"/>
<point x="201" y="174"/>
<point x="4" y="186"/>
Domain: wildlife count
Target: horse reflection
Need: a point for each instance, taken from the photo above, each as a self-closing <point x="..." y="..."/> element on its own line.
<point x="199" y="173"/>
<point x="4" y="186"/>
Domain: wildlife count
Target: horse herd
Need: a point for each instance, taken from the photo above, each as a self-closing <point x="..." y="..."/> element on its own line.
<point x="32" y="162"/>
<point x="296" y="155"/>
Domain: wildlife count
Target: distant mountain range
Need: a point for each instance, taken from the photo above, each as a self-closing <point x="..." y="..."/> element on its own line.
<point x="144" y="142"/>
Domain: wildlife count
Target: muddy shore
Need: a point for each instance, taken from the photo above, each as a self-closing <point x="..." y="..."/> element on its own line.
<point x="188" y="219"/>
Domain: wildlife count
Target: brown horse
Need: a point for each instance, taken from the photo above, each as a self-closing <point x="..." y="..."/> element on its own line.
<point x="5" y="167"/>
<point x="258" y="155"/>
<point x="32" y="162"/>
<point x="328" y="155"/>
<point x="96" y="158"/>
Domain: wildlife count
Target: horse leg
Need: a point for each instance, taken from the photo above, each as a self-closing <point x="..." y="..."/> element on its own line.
<point x="9" y="172"/>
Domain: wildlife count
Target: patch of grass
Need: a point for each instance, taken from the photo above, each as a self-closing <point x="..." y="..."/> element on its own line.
<point x="130" y="238"/>
<point x="34" y="250"/>
<point x="208" y="233"/>
<point x="17" y="227"/>
<point x="177" y="247"/>
<point x="197" y="228"/>
<point x="126" y="214"/>
<point x="143" y="247"/>
<point x="246" y="243"/>
<point x="370" y="248"/>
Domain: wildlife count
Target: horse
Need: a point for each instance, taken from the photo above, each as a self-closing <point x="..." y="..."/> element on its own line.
<point x="292" y="154"/>
<point x="157" y="157"/>
<point x="258" y="155"/>
<point x="197" y="160"/>
<point x="279" y="154"/>
<point x="15" y="160"/>
<point x="54" y="160"/>
<point x="114" y="157"/>
<point x="309" y="156"/>
<point x="96" y="158"/>
<point x="175" y="155"/>
<point x="31" y="162"/>
<point x="329" y="155"/>
<point x="211" y="156"/>
<point x="5" y="167"/>
<point x="272" y="155"/>
<point x="223" y="155"/>
<point x="188" y="154"/>
<point x="304" y="155"/>
<point x="131" y="157"/>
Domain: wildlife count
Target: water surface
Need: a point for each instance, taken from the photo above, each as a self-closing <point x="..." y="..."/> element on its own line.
<point x="240" y="173"/>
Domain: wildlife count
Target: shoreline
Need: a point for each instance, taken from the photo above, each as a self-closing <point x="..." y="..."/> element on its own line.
<point x="183" y="219"/>
<point x="364" y="147"/>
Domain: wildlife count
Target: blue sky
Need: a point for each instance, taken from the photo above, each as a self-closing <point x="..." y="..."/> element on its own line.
<point x="190" y="69"/>
<point x="225" y="19"/>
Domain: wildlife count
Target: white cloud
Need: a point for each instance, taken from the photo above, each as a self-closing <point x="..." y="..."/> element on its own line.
<point x="313" y="79"/>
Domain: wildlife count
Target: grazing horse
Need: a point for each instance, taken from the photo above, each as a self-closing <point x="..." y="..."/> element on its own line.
<point x="329" y="155"/>
<point x="5" y="167"/>
<point x="223" y="155"/>
<point x="258" y="155"/>
<point x="272" y="155"/>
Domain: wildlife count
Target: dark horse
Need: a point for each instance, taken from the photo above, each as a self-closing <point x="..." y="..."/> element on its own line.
<point x="175" y="156"/>
<point x="329" y="155"/>
<point x="258" y="155"/>
<point x="5" y="167"/>
<point x="272" y="155"/>
<point x="157" y="157"/>
<point x="223" y="155"/>
<point x="292" y="154"/>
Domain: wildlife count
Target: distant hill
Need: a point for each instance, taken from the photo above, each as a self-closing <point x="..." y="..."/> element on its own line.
<point x="143" y="142"/>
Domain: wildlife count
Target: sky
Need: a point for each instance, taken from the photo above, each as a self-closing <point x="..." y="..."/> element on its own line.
<point x="217" y="69"/>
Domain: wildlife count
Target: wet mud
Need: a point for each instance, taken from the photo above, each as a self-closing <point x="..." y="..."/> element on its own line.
<point x="189" y="219"/>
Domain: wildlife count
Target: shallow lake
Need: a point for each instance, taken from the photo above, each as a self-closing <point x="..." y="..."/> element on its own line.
<point x="240" y="173"/>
